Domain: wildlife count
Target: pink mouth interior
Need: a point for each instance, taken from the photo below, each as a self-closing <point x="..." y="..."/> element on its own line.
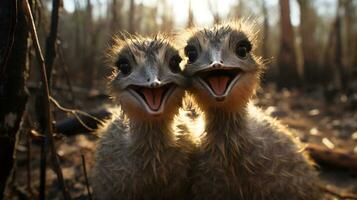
<point x="153" y="97"/>
<point x="218" y="84"/>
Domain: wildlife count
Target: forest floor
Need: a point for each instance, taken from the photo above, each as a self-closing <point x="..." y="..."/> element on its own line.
<point x="314" y="121"/>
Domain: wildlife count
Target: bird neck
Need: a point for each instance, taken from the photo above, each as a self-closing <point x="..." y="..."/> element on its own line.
<point x="151" y="134"/>
<point x="226" y="133"/>
<point x="222" y="123"/>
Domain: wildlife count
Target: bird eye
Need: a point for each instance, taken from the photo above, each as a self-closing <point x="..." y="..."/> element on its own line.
<point x="174" y="64"/>
<point x="243" y="48"/>
<point x="191" y="53"/>
<point x="123" y="66"/>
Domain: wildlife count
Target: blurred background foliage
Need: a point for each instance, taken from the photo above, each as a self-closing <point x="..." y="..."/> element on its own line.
<point x="310" y="83"/>
<point x="310" y="44"/>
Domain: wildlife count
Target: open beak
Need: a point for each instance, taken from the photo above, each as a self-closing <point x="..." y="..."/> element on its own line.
<point x="219" y="79"/>
<point x="153" y="97"/>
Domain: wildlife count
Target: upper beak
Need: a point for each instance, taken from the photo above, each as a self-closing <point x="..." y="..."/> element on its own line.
<point x="216" y="64"/>
<point x="216" y="56"/>
<point x="155" y="83"/>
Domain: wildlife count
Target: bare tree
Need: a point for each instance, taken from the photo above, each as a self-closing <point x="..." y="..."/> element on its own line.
<point x="52" y="39"/>
<point x="51" y="42"/>
<point x="139" y="17"/>
<point x="131" y="18"/>
<point x="333" y="73"/>
<point x="355" y="54"/>
<point x="349" y="40"/>
<point x="309" y="45"/>
<point x="287" y="64"/>
<point x="214" y="11"/>
<point x="13" y="60"/>
<point x="190" y="20"/>
<point x="77" y="29"/>
<point x="265" y="30"/>
<point x="116" y="22"/>
<point x="91" y="40"/>
<point x="167" y="21"/>
<point x="237" y="10"/>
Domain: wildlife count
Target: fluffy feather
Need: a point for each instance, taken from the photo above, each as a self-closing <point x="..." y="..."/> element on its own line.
<point x="244" y="154"/>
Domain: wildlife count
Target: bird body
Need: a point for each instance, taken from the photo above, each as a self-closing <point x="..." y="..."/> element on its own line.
<point x="249" y="155"/>
<point x="244" y="154"/>
<point x="141" y="155"/>
<point x="141" y="161"/>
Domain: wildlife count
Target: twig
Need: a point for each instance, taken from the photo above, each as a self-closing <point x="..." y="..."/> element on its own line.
<point x="334" y="157"/>
<point x="340" y="195"/>
<point x="71" y="126"/>
<point x="86" y="177"/>
<point x="46" y="101"/>
<point x="75" y="113"/>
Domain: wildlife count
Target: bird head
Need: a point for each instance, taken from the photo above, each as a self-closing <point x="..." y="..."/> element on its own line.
<point x="147" y="79"/>
<point x="221" y="65"/>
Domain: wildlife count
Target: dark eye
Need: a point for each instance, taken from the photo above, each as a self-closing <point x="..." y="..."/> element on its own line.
<point x="174" y="64"/>
<point x="123" y="65"/>
<point x="243" y="48"/>
<point x="191" y="53"/>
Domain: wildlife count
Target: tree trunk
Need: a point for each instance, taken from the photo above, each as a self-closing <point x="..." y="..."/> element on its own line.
<point x="311" y="72"/>
<point x="49" y="60"/>
<point x="333" y="60"/>
<point x="343" y="78"/>
<point x="91" y="40"/>
<point x="238" y="9"/>
<point x="51" y="40"/>
<point x="266" y="48"/>
<point x="333" y="76"/>
<point x="190" y="20"/>
<point x="265" y="31"/>
<point x="288" y="73"/>
<point x="116" y="22"/>
<point x="139" y="9"/>
<point x="213" y="8"/>
<point x="12" y="83"/>
<point x="131" y="18"/>
<point x="78" y="52"/>
<point x="354" y="53"/>
<point x="355" y="58"/>
<point x="167" y="18"/>
<point x="349" y="41"/>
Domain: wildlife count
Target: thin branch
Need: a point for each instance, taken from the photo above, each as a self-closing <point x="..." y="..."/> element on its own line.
<point x="75" y="113"/>
<point x="74" y="110"/>
<point x="334" y="192"/>
<point x="71" y="126"/>
<point x="86" y="177"/>
<point x="322" y="155"/>
<point x="46" y="100"/>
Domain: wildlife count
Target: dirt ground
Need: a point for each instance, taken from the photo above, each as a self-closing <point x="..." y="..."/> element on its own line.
<point x="314" y="121"/>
